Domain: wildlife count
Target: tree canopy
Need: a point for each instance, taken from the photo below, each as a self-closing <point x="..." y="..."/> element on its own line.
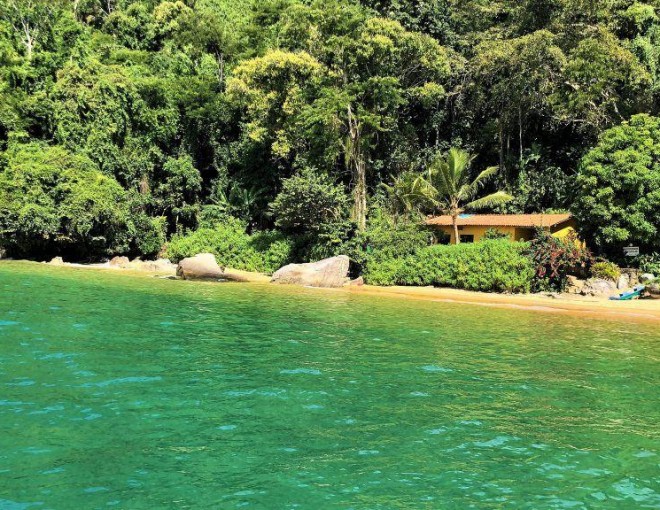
<point x="162" y="114"/>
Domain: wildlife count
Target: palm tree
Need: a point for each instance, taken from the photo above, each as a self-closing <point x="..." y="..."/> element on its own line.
<point x="410" y="194"/>
<point x="451" y="189"/>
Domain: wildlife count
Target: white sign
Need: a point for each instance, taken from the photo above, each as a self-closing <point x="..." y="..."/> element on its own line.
<point x="631" y="251"/>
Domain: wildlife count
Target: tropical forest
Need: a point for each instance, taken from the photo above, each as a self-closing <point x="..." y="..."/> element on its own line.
<point x="275" y="131"/>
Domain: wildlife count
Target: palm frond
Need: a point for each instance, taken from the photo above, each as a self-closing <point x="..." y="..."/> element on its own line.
<point x="492" y="200"/>
<point x="479" y="182"/>
<point x="459" y="161"/>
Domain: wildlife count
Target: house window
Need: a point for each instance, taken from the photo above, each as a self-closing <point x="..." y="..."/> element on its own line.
<point x="467" y="238"/>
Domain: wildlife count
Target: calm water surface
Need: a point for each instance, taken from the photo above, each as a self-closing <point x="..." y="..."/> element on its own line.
<point x="138" y="393"/>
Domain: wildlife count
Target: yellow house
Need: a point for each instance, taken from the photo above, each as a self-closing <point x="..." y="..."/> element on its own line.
<point x="519" y="227"/>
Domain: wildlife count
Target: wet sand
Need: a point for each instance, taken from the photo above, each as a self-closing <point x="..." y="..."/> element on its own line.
<point x="601" y="308"/>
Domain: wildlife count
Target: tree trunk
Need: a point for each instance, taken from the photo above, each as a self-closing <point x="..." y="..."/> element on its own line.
<point x="454" y="220"/>
<point x="360" y="194"/>
<point x="356" y="162"/>
<point x="28" y="40"/>
<point x="501" y="140"/>
<point x="220" y="57"/>
<point x="520" y="135"/>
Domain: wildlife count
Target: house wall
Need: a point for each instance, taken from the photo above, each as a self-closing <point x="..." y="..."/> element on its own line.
<point x="478" y="232"/>
<point x="562" y="231"/>
<point x="515" y="233"/>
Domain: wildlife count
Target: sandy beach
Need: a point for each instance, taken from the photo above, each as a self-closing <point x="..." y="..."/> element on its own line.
<point x="602" y="308"/>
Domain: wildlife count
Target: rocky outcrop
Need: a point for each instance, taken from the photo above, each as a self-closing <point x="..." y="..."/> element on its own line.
<point x="160" y="266"/>
<point x="646" y="278"/>
<point x="154" y="266"/>
<point x="57" y="261"/>
<point x="358" y="282"/>
<point x="121" y="262"/>
<point x="332" y="272"/>
<point x="654" y="290"/>
<point x="623" y="282"/>
<point x="202" y="266"/>
<point x="574" y="285"/>
<point x="632" y="274"/>
<point x="598" y="287"/>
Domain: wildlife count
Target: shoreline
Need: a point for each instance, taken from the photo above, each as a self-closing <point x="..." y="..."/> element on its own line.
<point x="645" y="310"/>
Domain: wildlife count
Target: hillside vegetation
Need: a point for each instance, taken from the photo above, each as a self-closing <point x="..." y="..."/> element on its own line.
<point x="125" y="124"/>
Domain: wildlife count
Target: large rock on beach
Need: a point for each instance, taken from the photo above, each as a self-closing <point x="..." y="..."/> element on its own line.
<point x="598" y="287"/>
<point x="57" y="261"/>
<point x="647" y="278"/>
<point x="623" y="282"/>
<point x="120" y="262"/>
<point x="654" y="290"/>
<point x="202" y="266"/>
<point x="154" y="266"/>
<point x="332" y="272"/>
<point x="574" y="285"/>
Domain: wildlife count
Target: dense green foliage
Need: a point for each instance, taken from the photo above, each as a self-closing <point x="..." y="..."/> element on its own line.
<point x="50" y="199"/>
<point x="499" y="266"/>
<point x="262" y="252"/>
<point x="619" y="186"/>
<point x="126" y="123"/>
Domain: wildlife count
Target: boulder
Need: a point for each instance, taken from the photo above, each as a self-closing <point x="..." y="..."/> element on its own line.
<point x="120" y="262"/>
<point x="633" y="276"/>
<point x="598" y="287"/>
<point x="200" y="267"/>
<point x="646" y="278"/>
<point x="332" y="272"/>
<point x="574" y="285"/>
<point x="623" y="282"/>
<point x="154" y="266"/>
<point x="358" y="282"/>
<point x="654" y="290"/>
<point x="57" y="261"/>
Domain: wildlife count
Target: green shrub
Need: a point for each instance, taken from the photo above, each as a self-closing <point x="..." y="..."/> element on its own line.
<point x="493" y="233"/>
<point x="148" y="233"/>
<point x="554" y="259"/>
<point x="263" y="252"/>
<point x="605" y="271"/>
<point x="496" y="265"/>
<point x="649" y="263"/>
<point x="53" y="201"/>
<point x="384" y="239"/>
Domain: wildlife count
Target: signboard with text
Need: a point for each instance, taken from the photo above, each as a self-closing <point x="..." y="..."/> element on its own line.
<point x="631" y="251"/>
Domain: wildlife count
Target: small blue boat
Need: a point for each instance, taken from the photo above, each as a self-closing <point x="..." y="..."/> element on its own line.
<point x="635" y="293"/>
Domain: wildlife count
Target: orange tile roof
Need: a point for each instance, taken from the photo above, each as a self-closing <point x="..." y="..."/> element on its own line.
<point x="501" y="220"/>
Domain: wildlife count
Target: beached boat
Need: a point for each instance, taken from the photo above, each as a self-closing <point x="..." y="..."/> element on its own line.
<point x="635" y="293"/>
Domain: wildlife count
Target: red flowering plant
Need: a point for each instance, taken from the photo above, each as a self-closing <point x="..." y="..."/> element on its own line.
<point x="555" y="259"/>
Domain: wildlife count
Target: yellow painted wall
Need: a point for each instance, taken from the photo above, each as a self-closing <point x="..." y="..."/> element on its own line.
<point x="565" y="230"/>
<point x="515" y="233"/>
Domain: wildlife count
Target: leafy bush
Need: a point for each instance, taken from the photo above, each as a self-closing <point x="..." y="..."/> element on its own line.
<point x="385" y="238"/>
<point x="650" y="263"/>
<point x="605" y="271"/>
<point x="493" y="233"/>
<point x="308" y="201"/>
<point x="554" y="259"/>
<point x="263" y="252"/>
<point x="496" y="265"/>
<point x="53" y="201"/>
<point x="618" y="201"/>
<point x="149" y="234"/>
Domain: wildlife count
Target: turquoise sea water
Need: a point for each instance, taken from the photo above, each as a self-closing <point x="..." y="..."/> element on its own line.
<point x="131" y="392"/>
